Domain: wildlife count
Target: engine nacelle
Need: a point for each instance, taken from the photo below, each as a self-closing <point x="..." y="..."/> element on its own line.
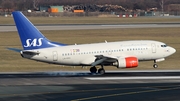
<point x="128" y="62"/>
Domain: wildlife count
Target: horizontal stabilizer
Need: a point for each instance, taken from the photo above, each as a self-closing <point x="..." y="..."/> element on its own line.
<point x="15" y="49"/>
<point x="29" y="52"/>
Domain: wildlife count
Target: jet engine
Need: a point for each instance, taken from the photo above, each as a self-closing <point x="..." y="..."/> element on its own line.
<point x="127" y="62"/>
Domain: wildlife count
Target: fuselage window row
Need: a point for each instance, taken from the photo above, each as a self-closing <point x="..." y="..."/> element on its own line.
<point x="133" y="49"/>
<point x="81" y="53"/>
<point x="95" y="52"/>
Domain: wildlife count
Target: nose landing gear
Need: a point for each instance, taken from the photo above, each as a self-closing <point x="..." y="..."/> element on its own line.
<point x="155" y="65"/>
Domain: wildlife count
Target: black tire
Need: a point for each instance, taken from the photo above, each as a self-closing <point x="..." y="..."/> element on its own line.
<point x="101" y="71"/>
<point x="155" y="66"/>
<point x="93" y="70"/>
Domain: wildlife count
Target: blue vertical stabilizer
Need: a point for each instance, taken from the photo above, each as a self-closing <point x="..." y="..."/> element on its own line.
<point x="31" y="37"/>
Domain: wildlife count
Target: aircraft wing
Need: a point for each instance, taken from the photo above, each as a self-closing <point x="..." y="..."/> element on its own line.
<point x="102" y="59"/>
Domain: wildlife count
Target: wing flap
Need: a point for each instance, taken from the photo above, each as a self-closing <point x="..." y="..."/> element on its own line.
<point x="104" y="56"/>
<point x="98" y="62"/>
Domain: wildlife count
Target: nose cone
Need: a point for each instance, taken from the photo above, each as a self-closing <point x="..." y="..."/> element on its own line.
<point x="172" y="50"/>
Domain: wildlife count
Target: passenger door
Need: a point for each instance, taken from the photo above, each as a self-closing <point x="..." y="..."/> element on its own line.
<point x="55" y="56"/>
<point x="153" y="46"/>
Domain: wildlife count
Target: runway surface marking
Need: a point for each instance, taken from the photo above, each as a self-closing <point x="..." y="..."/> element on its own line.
<point x="75" y="91"/>
<point x="129" y="93"/>
<point x="157" y="88"/>
<point x="132" y="78"/>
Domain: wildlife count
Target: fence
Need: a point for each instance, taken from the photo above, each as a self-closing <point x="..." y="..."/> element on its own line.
<point x="100" y="14"/>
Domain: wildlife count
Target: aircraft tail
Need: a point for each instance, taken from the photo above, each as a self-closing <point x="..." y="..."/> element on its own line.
<point x="31" y="37"/>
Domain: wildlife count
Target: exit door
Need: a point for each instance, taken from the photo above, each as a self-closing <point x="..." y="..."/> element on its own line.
<point x="153" y="45"/>
<point x="55" y="56"/>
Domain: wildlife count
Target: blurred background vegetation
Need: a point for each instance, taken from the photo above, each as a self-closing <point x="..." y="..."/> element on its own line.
<point x="7" y="6"/>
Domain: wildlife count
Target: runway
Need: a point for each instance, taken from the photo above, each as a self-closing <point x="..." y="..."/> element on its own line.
<point x="82" y="86"/>
<point x="8" y="28"/>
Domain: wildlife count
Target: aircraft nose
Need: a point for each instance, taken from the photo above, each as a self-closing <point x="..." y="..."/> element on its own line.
<point x="172" y="50"/>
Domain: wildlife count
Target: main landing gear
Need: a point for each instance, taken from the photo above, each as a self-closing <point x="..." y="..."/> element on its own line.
<point x="155" y="65"/>
<point x="100" y="70"/>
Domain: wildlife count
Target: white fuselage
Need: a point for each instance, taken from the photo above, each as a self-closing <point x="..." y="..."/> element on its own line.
<point x="79" y="55"/>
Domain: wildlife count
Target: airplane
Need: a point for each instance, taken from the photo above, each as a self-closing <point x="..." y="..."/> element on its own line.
<point x="121" y="54"/>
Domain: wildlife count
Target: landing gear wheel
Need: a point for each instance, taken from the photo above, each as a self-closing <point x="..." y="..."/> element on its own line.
<point x="155" y="66"/>
<point x="93" y="70"/>
<point x="101" y="71"/>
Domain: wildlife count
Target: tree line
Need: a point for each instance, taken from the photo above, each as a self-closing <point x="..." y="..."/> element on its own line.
<point x="128" y="4"/>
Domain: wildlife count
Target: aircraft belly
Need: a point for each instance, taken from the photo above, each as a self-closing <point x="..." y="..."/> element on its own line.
<point x="70" y="60"/>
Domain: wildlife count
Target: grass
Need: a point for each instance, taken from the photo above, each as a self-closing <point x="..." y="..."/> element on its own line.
<point x="93" y="20"/>
<point x="12" y="62"/>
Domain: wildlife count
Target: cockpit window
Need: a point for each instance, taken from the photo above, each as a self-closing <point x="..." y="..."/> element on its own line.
<point x="163" y="45"/>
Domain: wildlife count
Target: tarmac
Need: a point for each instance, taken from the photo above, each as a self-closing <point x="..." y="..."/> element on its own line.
<point x="82" y="86"/>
